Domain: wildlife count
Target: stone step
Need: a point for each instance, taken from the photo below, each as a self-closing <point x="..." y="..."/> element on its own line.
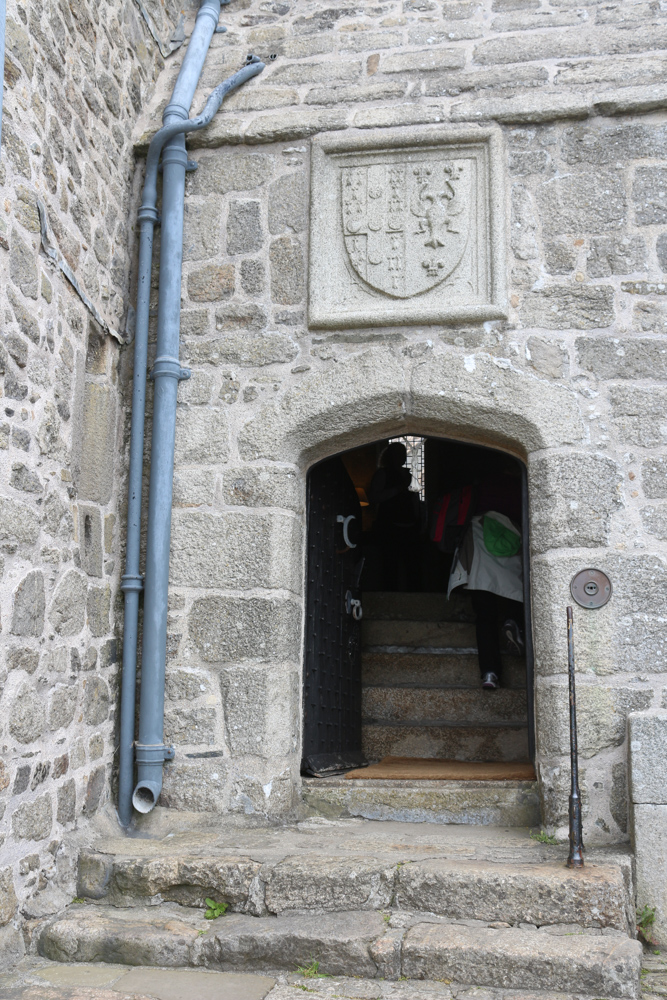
<point x="357" y="943"/>
<point x="417" y="633"/>
<point x="449" y="742"/>
<point x="539" y="892"/>
<point x="510" y="804"/>
<point x="417" y="607"/>
<point x="396" y="703"/>
<point x="453" y="668"/>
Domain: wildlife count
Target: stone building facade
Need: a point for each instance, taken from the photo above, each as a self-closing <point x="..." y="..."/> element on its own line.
<point x="567" y="372"/>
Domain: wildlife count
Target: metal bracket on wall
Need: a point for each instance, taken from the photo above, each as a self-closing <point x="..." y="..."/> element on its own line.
<point x="591" y="588"/>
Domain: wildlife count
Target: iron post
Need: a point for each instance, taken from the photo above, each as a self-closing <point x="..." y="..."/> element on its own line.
<point x="576" y="855"/>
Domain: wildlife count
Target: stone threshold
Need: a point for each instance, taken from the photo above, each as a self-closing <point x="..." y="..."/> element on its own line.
<point x="522" y="109"/>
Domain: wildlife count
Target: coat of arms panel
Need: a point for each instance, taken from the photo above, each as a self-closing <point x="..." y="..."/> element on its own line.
<point x="405" y="232"/>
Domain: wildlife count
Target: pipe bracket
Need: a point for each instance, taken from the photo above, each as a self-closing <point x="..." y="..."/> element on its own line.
<point x="153" y="753"/>
<point x="166" y="367"/>
<point x="132" y="581"/>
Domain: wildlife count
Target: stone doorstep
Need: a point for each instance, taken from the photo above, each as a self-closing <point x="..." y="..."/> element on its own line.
<point x="542" y="893"/>
<point x="349" y="944"/>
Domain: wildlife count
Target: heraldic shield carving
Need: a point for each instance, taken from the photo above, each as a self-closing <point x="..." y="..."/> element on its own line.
<point x="407" y="226"/>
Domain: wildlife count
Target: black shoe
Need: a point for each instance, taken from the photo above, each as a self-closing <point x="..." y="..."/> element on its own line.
<point x="513" y="637"/>
<point x="490" y="681"/>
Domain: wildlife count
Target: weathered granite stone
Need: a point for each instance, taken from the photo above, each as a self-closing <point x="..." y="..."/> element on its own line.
<point x="62" y="706"/>
<point x="33" y="820"/>
<point x="648" y="778"/>
<point x="563" y="307"/>
<point x="202" y="229"/>
<point x="66" y="796"/>
<point x="264" y="486"/>
<point x="661" y="250"/>
<point x="637" y="358"/>
<point x="211" y="283"/>
<point x="261" y="708"/>
<point x="649" y="840"/>
<point x="194" y="725"/>
<point x="287" y="201"/>
<point x="548" y="357"/>
<point x="95" y="701"/>
<point x="572" y="500"/>
<point x="23" y="266"/>
<point x="90" y="535"/>
<point x="582" y="203"/>
<point x="29" y="605"/>
<point x="67" y="613"/>
<point x="244" y="228"/>
<point x="654" y="520"/>
<point x="98" y="440"/>
<point x="8" y="900"/>
<point x="98" y="608"/>
<point x="649" y="190"/>
<point x="287" y="271"/>
<point x="202" y="436"/>
<point x="27" y="718"/>
<point x="239" y="170"/>
<point x="95" y="789"/>
<point x="187" y="685"/>
<point x="616" y="255"/>
<point x="634" y="414"/>
<point x="248" y="350"/>
<point x="601" y="716"/>
<point x="252" y="277"/>
<point x="241" y="318"/>
<point x="234" y="628"/>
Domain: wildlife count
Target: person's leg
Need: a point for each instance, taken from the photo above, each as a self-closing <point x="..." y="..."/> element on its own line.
<point x="485" y="606"/>
<point x="513" y="626"/>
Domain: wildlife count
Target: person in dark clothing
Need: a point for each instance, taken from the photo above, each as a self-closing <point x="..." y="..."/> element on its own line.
<point x="488" y="564"/>
<point x="397" y="522"/>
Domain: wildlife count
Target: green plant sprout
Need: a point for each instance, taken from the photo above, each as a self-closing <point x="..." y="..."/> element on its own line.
<point x="312" y="971"/>
<point x="543" y="837"/>
<point x="215" y="909"/>
<point x="645" y="921"/>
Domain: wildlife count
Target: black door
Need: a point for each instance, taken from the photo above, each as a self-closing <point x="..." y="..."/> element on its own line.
<point x="332" y="681"/>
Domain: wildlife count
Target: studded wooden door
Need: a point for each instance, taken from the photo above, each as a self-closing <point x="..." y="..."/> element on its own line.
<point x="332" y="669"/>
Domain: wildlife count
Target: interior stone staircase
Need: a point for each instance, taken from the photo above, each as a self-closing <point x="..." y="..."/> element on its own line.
<point x="422" y="698"/>
<point x="473" y="906"/>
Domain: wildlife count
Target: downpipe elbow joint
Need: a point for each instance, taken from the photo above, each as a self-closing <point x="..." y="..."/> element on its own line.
<point x="150" y="760"/>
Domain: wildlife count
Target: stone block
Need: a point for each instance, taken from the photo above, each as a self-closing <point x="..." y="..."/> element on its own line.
<point x="580" y="203"/>
<point x="649" y="192"/>
<point x="261" y="710"/>
<point x="211" y="283"/>
<point x="23" y="266"/>
<point x="238" y="628"/>
<point x="8" y="900"/>
<point x="548" y="357"/>
<point x="350" y="883"/>
<point x="95" y="473"/>
<point x="198" y="389"/>
<point x="329" y="70"/>
<point x="66" y="796"/>
<point x="636" y="358"/>
<point x="654" y="478"/>
<point x="27" y="718"/>
<point x="634" y="414"/>
<point x="409" y="283"/>
<point x="563" y="307"/>
<point x="288" y="203"/>
<point x="288" y="280"/>
<point x="93" y="874"/>
<point x="244" y="227"/>
<point x="262" y="486"/>
<point x="616" y="255"/>
<point x="601" y="716"/>
<point x="195" y="725"/>
<point x="202" y="436"/>
<point x="237" y="318"/>
<point x="22" y="658"/>
<point x="90" y="540"/>
<point x="187" y="685"/>
<point x="236" y="550"/>
<point x="649" y="841"/>
<point x="357" y="93"/>
<point x="33" y="820"/>
<point x="661" y="251"/>
<point x="202" y="229"/>
<point x="625" y="635"/>
<point x="238" y="170"/>
<point x="572" y="498"/>
<point x="647" y="733"/>
<point x="95" y="701"/>
<point x="62" y="706"/>
<point x="29" y="605"/>
<point x="25" y="479"/>
<point x="425" y="61"/>
<point x="67" y="613"/>
<point x="98" y="609"/>
<point x="654" y="521"/>
<point x="252" y="277"/>
<point x="194" y="487"/>
<point x="253" y="350"/>
<point x="95" y="791"/>
<point x="18" y="523"/>
<point x="195" y="785"/>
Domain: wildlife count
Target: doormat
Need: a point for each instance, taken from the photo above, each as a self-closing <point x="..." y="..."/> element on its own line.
<point x="432" y="769"/>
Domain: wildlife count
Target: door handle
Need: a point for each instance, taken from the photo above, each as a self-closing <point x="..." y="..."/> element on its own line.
<point x="353" y="607"/>
<point x="345" y="522"/>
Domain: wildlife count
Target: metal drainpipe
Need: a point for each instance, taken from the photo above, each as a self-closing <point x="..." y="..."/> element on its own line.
<point x="150" y="750"/>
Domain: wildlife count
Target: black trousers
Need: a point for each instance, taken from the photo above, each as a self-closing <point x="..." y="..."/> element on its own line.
<point x="489" y="608"/>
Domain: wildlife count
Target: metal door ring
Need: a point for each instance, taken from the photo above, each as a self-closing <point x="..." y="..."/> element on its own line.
<point x="591" y="588"/>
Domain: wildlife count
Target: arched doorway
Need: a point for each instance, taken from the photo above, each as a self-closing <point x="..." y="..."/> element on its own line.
<point x="402" y="681"/>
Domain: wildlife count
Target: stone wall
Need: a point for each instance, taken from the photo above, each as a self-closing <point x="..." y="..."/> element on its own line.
<point x="573" y="381"/>
<point x="76" y="76"/>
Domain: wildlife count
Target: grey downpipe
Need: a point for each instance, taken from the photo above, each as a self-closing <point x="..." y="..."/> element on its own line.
<point x="167" y="372"/>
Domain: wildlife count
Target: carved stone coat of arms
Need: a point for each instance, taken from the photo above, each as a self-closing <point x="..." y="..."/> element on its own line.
<point x="405" y="228"/>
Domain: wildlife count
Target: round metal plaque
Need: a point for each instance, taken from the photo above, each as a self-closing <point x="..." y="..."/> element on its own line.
<point x="591" y="588"/>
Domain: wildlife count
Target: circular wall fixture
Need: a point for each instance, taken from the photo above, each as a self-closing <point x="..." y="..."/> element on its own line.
<point x="591" y="588"/>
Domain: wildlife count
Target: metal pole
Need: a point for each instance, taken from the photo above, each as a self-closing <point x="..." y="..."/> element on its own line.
<point x="576" y="855"/>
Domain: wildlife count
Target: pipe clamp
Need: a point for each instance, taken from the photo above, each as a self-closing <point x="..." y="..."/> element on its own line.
<point x="132" y="581"/>
<point x="166" y="367"/>
<point x="153" y="753"/>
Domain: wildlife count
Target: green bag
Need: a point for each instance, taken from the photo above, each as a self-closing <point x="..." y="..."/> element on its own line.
<point x="500" y="540"/>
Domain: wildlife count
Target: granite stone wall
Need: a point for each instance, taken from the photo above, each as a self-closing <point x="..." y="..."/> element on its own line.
<point x="573" y="381"/>
<point x="76" y="76"/>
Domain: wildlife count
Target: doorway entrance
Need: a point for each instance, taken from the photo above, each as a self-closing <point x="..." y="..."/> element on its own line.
<point x="394" y="664"/>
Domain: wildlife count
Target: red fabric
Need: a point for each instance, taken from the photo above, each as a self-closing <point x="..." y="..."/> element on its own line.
<point x="466" y="494"/>
<point x="442" y="515"/>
